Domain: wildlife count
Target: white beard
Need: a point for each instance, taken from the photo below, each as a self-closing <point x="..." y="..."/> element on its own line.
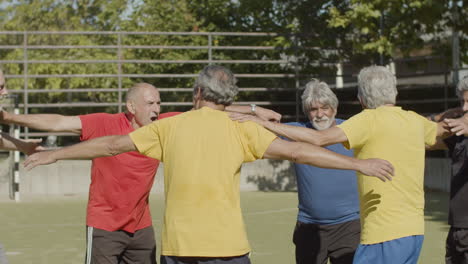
<point x="323" y="123"/>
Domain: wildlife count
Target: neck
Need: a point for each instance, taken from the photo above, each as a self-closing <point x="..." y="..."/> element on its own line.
<point x="131" y="118"/>
<point x="202" y="103"/>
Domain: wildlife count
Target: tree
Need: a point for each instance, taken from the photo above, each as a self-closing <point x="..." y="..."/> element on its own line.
<point x="395" y="28"/>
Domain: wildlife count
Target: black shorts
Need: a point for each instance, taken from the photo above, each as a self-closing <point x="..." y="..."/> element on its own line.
<point x="316" y="244"/>
<point x="456" y="248"/>
<point x="244" y="259"/>
<point x="120" y="246"/>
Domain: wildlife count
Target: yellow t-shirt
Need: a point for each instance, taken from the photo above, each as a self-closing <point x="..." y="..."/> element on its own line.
<point x="203" y="151"/>
<point x="392" y="209"/>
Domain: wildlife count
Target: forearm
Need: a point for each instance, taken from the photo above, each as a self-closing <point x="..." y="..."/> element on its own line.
<point x="243" y="109"/>
<point x="45" y="122"/>
<point x="94" y="148"/>
<point x="9" y="143"/>
<point x="299" y="134"/>
<point x="323" y="158"/>
<point x="450" y="113"/>
<point x="262" y="113"/>
<point x="439" y="145"/>
<point x="28" y="147"/>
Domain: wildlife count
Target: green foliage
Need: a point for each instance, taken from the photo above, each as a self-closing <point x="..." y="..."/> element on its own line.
<point x="311" y="37"/>
<point x="393" y="28"/>
<point x="96" y="15"/>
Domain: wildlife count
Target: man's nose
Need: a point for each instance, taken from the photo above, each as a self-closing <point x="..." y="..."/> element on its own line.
<point x="156" y="108"/>
<point x="465" y="106"/>
<point x="320" y="113"/>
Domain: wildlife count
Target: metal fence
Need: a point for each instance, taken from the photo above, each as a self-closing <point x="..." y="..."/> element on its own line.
<point x="211" y="47"/>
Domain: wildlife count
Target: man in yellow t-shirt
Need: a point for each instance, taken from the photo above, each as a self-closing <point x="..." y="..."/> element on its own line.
<point x="203" y="151"/>
<point x="392" y="214"/>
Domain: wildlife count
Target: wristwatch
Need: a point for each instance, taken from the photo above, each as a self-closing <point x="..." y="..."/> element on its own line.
<point x="252" y="108"/>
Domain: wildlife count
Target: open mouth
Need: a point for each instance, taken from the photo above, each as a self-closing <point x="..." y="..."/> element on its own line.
<point x="154" y="118"/>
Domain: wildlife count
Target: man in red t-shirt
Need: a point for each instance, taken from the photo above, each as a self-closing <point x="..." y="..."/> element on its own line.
<point x="119" y="228"/>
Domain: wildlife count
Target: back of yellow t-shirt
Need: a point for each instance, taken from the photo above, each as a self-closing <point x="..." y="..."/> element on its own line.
<point x="392" y="209"/>
<point x="203" y="151"/>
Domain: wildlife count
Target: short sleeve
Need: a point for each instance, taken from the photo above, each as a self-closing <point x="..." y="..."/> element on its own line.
<point x="357" y="129"/>
<point x="147" y="139"/>
<point x="92" y="125"/>
<point x="255" y="140"/>
<point x="430" y="131"/>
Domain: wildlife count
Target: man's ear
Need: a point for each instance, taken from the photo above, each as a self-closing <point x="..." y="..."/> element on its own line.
<point x="198" y="94"/>
<point x="196" y="98"/>
<point x="130" y="107"/>
<point x="362" y="103"/>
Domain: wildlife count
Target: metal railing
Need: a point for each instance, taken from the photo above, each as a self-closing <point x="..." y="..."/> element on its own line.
<point x="209" y="46"/>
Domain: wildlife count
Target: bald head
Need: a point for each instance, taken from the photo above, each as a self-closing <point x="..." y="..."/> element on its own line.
<point x="143" y="102"/>
<point x="3" y="89"/>
<point x="138" y="89"/>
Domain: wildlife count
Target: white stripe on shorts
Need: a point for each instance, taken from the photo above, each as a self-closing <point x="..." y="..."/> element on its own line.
<point x="89" y="244"/>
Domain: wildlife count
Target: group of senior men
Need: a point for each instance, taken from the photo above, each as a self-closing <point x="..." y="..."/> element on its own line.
<point x="203" y="150"/>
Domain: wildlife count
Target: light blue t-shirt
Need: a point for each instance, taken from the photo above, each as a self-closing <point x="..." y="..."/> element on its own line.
<point x="326" y="196"/>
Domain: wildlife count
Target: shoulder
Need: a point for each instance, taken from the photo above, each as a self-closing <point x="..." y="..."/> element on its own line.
<point x="98" y="119"/>
<point x="251" y="128"/>
<point x="339" y="120"/>
<point x="168" y="114"/>
<point x="414" y="114"/>
<point x="103" y="115"/>
<point x="363" y="116"/>
<point x="422" y="120"/>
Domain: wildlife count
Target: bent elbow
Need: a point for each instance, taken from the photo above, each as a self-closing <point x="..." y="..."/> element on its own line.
<point x="117" y="145"/>
<point x="112" y="150"/>
<point x="297" y="153"/>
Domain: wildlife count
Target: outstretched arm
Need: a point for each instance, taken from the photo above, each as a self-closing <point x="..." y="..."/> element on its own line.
<point x="26" y="146"/>
<point x="326" y="137"/>
<point x="44" y="122"/>
<point x="90" y="149"/>
<point x="320" y="157"/>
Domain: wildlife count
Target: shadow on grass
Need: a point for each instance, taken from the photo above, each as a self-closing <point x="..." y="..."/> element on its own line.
<point x="436" y="205"/>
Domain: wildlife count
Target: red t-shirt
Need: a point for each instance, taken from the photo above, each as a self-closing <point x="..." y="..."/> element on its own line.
<point x="120" y="185"/>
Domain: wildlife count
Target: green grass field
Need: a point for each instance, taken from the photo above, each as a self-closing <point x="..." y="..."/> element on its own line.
<point x="52" y="230"/>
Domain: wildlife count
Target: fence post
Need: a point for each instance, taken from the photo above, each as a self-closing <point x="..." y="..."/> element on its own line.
<point x="296" y="75"/>
<point x="455" y="43"/>
<point x="446" y="153"/>
<point x="119" y="66"/>
<point x="25" y="73"/>
<point x="210" y="50"/>
<point x="339" y="75"/>
<point x="14" y="163"/>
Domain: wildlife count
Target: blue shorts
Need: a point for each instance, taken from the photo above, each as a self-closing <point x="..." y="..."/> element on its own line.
<point x="403" y="250"/>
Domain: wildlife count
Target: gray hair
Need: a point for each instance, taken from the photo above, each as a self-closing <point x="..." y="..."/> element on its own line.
<point x="376" y="86"/>
<point x="217" y="84"/>
<point x="318" y="92"/>
<point x="135" y="88"/>
<point x="462" y="86"/>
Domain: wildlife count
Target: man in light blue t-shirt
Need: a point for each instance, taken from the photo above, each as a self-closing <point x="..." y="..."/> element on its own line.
<point x="328" y="221"/>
